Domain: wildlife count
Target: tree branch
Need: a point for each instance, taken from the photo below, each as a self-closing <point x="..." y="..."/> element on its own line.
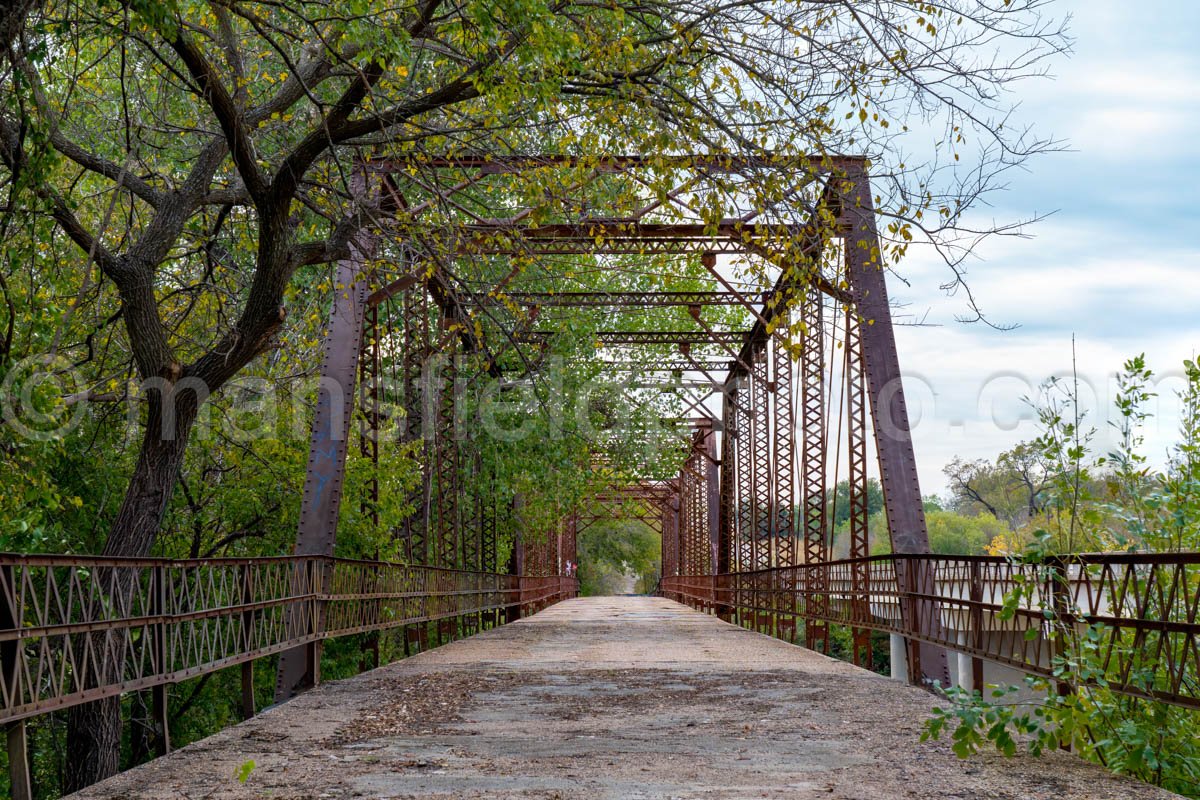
<point x="233" y="125"/>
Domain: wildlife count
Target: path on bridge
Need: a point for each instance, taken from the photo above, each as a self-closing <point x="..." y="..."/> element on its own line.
<point x="617" y="697"/>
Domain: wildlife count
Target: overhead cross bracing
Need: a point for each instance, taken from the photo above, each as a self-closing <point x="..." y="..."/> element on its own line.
<point x="500" y="246"/>
<point x="478" y="279"/>
<point x="786" y="376"/>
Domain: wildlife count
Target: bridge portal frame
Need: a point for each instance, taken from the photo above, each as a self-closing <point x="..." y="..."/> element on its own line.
<point x="759" y="375"/>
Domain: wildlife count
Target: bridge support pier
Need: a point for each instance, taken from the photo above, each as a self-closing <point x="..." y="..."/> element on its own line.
<point x="899" y="657"/>
<point x="18" y="762"/>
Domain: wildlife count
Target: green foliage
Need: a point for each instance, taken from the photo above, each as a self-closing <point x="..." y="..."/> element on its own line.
<point x="956" y="534"/>
<point x="242" y="774"/>
<point x="616" y="553"/>
<point x="1012" y="489"/>
<point x="1139" y="509"/>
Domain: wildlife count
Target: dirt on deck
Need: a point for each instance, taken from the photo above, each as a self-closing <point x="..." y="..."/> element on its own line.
<point x="620" y="698"/>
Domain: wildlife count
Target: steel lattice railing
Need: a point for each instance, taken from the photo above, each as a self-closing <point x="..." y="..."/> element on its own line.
<point x="75" y="629"/>
<point x="1140" y="608"/>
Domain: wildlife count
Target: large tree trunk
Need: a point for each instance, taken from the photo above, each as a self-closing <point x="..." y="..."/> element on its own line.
<point x="94" y="729"/>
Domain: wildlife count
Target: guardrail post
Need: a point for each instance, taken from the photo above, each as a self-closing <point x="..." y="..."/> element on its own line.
<point x="248" y="642"/>
<point x="160" y="691"/>
<point x="1059" y="589"/>
<point x="18" y="747"/>
<point x="976" y="622"/>
<point x="906" y="579"/>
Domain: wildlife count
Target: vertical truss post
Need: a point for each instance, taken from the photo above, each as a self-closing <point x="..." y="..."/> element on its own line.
<point x="488" y="524"/>
<point x="299" y="668"/>
<point x="785" y="455"/>
<point x="687" y="514"/>
<point x="700" y="512"/>
<point x="445" y="470"/>
<point x="516" y="559"/>
<point x="712" y="498"/>
<point x="726" y="522"/>
<point x="889" y="415"/>
<point x="812" y="387"/>
<point x="760" y="443"/>
<point x="675" y="506"/>
<point x="369" y="428"/>
<point x="670" y="541"/>
<point x="414" y="308"/>
<point x="744" y="478"/>
<point x="369" y="402"/>
<point x="856" y="452"/>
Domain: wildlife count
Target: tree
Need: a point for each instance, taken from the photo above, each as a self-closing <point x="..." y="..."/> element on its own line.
<point x="1012" y="489"/>
<point x="201" y="157"/>
<point x="614" y="552"/>
<point x="955" y="534"/>
<point x="1115" y="501"/>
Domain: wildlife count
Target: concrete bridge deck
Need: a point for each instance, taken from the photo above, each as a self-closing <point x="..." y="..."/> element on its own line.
<point x="607" y="698"/>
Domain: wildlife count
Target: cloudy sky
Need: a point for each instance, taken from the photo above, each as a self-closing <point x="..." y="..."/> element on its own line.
<point x="1117" y="264"/>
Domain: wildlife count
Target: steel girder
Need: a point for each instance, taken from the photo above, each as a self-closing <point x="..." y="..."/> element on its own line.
<point x="743" y="447"/>
<point x="856" y="462"/>
<point x="813" y="462"/>
<point x="753" y="484"/>
<point x="300" y="668"/>
<point x="651" y="337"/>
<point x="889" y="415"/>
<point x="762" y="480"/>
<point x="621" y="299"/>
<point x="784" y="442"/>
<point x="415" y="332"/>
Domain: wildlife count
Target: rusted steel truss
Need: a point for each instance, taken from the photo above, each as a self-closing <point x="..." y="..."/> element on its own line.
<point x="750" y="499"/>
<point x="1143" y="609"/>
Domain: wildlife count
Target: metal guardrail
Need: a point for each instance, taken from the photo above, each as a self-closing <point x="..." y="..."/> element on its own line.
<point x="75" y="629"/>
<point x="1143" y="607"/>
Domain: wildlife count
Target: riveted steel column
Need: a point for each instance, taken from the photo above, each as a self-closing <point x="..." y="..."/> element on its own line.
<point x="760" y="438"/>
<point x="712" y="496"/>
<point x="726" y="524"/>
<point x="784" y="443"/>
<point x="744" y="478"/>
<point x="856" y="459"/>
<point x="415" y="311"/>
<point x="300" y="667"/>
<point x="889" y="414"/>
<point x="813" y="463"/>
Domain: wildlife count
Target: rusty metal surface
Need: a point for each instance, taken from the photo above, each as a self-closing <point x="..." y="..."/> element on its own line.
<point x="732" y="514"/>
<point x="166" y="620"/>
<point x="623" y="299"/>
<point x="1143" y="607"/>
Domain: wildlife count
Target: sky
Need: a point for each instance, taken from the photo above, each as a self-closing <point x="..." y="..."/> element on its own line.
<point x="1116" y="264"/>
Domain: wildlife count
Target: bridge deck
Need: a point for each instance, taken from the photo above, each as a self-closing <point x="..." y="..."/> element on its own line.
<point x="609" y="697"/>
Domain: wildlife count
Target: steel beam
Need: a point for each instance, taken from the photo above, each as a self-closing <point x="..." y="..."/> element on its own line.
<point x="889" y="413"/>
<point x="650" y="337"/>
<point x="856" y="460"/>
<point x="744" y="477"/>
<point x="761" y="464"/>
<point x="813" y="462"/>
<point x="300" y="668"/>
<point x="784" y="443"/>
<point x="618" y="299"/>
<point x="707" y="162"/>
